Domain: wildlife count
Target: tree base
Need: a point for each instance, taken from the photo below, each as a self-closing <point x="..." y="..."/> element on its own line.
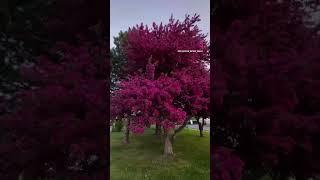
<point x="168" y="149"/>
<point x="201" y="133"/>
<point x="168" y="156"/>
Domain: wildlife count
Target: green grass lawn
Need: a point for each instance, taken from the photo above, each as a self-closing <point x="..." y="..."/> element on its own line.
<point x="142" y="159"/>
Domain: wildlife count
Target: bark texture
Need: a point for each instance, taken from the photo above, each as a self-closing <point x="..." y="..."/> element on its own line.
<point x="200" y="125"/>
<point x="168" y="149"/>
<point x="126" y="132"/>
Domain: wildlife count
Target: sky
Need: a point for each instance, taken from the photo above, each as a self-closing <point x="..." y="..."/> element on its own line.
<point x="128" y="13"/>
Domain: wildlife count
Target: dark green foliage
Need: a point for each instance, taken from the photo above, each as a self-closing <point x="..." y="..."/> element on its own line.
<point x="26" y="21"/>
<point x="117" y="127"/>
<point x="22" y="38"/>
<point x="118" y="59"/>
<point x="13" y="55"/>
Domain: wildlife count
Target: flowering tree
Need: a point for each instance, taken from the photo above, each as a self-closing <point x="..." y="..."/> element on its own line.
<point x="194" y="96"/>
<point x="61" y="115"/>
<point x="150" y="102"/>
<point x="226" y="164"/>
<point x="265" y="87"/>
<point x="159" y="89"/>
<point x="56" y="125"/>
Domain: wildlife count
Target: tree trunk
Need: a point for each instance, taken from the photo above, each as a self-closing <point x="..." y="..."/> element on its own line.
<point x="200" y="125"/>
<point x="126" y="132"/>
<point x="21" y="175"/>
<point x="158" y="130"/>
<point x="168" y="150"/>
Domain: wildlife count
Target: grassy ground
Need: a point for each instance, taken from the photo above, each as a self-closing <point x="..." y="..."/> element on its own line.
<point x="142" y="159"/>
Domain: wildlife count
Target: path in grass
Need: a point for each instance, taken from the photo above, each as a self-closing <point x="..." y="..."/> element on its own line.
<point x="142" y="159"/>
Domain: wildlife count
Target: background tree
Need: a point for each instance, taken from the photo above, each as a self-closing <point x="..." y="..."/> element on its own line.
<point x="118" y="59"/>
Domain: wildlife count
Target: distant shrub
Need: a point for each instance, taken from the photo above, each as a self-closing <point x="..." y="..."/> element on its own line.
<point x="117" y="127"/>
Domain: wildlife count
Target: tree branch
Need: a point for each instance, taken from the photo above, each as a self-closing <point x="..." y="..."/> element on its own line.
<point x="182" y="126"/>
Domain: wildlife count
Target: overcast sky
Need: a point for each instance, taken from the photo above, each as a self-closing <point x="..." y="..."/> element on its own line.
<point x="128" y="13"/>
